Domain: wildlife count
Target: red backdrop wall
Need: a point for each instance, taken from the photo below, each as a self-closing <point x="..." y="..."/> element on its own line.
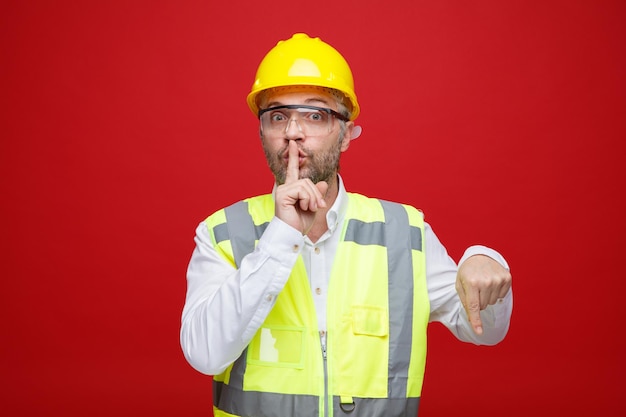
<point x="124" y="124"/>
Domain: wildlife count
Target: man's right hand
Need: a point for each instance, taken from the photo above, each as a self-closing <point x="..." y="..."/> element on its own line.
<point x="297" y="200"/>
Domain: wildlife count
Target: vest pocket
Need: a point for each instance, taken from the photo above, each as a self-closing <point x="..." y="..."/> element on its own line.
<point x="369" y="321"/>
<point x="360" y="352"/>
<point x="278" y="346"/>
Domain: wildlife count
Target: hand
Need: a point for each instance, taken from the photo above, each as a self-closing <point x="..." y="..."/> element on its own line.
<point x="297" y="200"/>
<point x="481" y="281"/>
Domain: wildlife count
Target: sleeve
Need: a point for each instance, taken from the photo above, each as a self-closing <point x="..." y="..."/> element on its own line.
<point x="224" y="306"/>
<point x="445" y="304"/>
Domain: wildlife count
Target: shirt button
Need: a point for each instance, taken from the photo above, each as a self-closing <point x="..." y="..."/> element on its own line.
<point x="296" y="248"/>
<point x="269" y="298"/>
<point x="318" y="291"/>
<point x="317" y="250"/>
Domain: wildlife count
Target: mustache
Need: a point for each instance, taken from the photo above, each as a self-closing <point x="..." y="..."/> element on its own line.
<point x="283" y="153"/>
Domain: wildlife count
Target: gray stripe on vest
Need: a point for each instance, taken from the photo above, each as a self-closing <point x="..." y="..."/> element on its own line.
<point x="378" y="407"/>
<point x="416" y="238"/>
<point x="239" y="223"/>
<point x="400" y="267"/>
<point x="365" y="233"/>
<point x="221" y="231"/>
<point x="372" y="234"/>
<point x="266" y="404"/>
<point x="255" y="403"/>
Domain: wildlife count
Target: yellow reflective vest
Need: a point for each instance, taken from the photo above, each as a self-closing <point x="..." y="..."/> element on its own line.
<point x="377" y="314"/>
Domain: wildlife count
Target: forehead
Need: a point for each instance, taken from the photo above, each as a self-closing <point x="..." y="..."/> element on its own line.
<point x="300" y="95"/>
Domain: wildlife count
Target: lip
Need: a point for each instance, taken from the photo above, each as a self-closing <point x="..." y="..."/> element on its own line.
<point x="301" y="157"/>
<point x="300" y="161"/>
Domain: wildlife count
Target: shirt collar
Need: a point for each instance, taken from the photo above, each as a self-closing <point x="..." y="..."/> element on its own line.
<point x="337" y="212"/>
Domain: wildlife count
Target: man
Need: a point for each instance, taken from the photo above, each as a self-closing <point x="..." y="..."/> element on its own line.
<point x="312" y="301"/>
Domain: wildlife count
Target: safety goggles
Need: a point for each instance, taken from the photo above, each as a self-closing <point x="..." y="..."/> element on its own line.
<point x="311" y="120"/>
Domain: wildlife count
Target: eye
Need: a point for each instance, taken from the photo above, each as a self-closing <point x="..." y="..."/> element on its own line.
<point x="277" y="117"/>
<point x="316" y="116"/>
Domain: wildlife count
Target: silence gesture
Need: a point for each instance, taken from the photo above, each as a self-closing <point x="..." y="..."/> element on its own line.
<point x="298" y="200"/>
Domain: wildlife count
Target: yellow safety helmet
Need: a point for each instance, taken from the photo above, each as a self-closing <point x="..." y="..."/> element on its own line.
<point x="302" y="60"/>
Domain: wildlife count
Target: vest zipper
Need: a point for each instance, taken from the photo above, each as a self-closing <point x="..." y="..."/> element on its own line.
<point x="323" y="343"/>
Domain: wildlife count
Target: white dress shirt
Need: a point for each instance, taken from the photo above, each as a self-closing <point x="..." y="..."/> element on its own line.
<point x="225" y="306"/>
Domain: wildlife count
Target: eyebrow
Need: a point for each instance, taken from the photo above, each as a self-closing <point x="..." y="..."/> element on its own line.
<point x="307" y="101"/>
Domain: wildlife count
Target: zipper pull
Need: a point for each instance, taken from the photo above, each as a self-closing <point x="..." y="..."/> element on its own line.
<point x="323" y="342"/>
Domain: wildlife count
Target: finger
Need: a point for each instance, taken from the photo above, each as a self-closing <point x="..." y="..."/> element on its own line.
<point x="293" y="163"/>
<point x="493" y="298"/>
<point x="472" y="308"/>
<point x="507" y="285"/>
<point x="322" y="188"/>
<point x="500" y="289"/>
<point x="313" y="194"/>
<point x="318" y="191"/>
<point x="306" y="201"/>
<point x="308" y="195"/>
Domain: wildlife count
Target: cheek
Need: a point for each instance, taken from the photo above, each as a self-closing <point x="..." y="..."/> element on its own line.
<point x="345" y="144"/>
<point x="274" y="149"/>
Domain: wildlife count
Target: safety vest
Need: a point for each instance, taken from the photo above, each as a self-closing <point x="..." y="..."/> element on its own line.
<point x="377" y="314"/>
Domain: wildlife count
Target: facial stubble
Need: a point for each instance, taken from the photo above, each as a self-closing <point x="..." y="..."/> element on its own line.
<point x="321" y="165"/>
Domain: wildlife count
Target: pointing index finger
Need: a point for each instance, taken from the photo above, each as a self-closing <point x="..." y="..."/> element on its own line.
<point x="293" y="164"/>
<point x="472" y="307"/>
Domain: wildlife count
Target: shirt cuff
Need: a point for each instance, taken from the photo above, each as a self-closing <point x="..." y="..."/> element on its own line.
<point x="483" y="250"/>
<point x="281" y="242"/>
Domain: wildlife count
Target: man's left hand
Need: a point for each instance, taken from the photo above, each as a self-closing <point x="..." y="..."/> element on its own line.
<point x="480" y="282"/>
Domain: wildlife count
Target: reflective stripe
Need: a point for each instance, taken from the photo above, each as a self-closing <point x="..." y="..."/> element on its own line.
<point x="220" y="232"/>
<point x="371" y="234"/>
<point x="254" y="403"/>
<point x="365" y="233"/>
<point x="239" y="223"/>
<point x="377" y="407"/>
<point x="400" y="283"/>
<point x="416" y="238"/>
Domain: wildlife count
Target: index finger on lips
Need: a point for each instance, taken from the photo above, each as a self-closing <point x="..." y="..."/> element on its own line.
<point x="293" y="164"/>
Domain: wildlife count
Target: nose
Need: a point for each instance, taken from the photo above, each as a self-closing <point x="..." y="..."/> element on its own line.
<point x="293" y="130"/>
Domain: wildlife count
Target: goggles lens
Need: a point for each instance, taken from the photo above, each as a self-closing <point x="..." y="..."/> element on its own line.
<point x="311" y="120"/>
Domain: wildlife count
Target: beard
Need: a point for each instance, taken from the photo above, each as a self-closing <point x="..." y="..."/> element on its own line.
<point x="320" y="165"/>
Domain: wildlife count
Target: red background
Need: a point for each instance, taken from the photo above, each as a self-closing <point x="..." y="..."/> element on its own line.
<point x="124" y="124"/>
